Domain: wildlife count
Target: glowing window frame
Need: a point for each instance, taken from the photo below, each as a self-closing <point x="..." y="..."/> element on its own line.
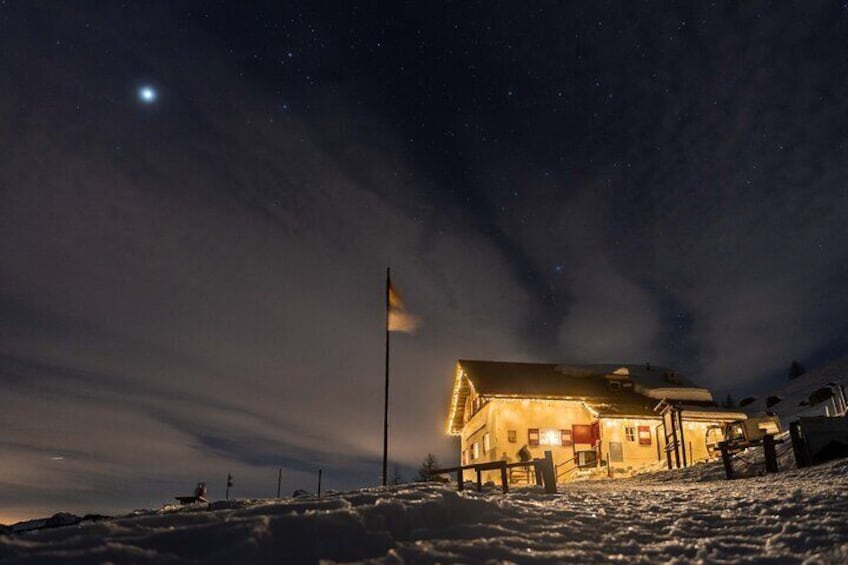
<point x="550" y="437"/>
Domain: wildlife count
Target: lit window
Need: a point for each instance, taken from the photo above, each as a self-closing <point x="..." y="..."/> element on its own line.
<point x="475" y="450"/>
<point x="550" y="436"/>
<point x="487" y="443"/>
<point x="644" y="435"/>
<point x="630" y="433"/>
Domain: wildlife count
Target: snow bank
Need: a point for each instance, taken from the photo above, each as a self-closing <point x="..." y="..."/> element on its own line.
<point x="675" y="516"/>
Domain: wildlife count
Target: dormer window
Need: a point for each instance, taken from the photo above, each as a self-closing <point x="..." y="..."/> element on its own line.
<point x="614" y="385"/>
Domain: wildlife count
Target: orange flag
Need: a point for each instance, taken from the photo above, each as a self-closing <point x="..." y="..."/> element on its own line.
<point x="399" y="319"/>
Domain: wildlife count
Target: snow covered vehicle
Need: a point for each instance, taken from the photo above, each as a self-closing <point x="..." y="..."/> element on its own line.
<point x="742" y="433"/>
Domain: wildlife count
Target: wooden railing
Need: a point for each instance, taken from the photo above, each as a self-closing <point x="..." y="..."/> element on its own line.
<point x="544" y="469"/>
<point x="563" y="473"/>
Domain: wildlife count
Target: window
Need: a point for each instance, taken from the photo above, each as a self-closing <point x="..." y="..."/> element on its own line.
<point x="587" y="458"/>
<point x="487" y="443"/>
<point x="550" y="436"/>
<point x="465" y="457"/>
<point x="630" y="433"/>
<point x="475" y="450"/>
<point x="511" y="436"/>
<point x="644" y="435"/>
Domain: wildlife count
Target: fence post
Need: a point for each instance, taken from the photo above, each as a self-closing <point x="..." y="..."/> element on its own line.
<point x="504" y="478"/>
<point x="799" y="446"/>
<point x="770" y="453"/>
<point x="548" y="473"/>
<point x="479" y="480"/>
<point x="459" y="479"/>
<point x="537" y="470"/>
<point x="725" y="457"/>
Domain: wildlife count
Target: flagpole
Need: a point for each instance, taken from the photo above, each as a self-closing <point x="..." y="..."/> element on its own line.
<point x="386" y="397"/>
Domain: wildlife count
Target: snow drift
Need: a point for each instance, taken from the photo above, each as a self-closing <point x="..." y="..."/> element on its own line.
<point x="674" y="516"/>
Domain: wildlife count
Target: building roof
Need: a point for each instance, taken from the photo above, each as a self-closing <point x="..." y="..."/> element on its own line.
<point x="568" y="381"/>
<point x="793" y="393"/>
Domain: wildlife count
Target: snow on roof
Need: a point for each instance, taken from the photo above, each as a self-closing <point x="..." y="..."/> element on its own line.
<point x="793" y="392"/>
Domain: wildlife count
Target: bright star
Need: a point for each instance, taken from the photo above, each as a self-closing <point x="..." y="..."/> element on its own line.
<point x="147" y="94"/>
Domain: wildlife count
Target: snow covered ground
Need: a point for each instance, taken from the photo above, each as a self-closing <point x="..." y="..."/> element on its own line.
<point x="684" y="516"/>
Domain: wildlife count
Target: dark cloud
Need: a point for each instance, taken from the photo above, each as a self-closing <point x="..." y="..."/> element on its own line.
<point x="194" y="287"/>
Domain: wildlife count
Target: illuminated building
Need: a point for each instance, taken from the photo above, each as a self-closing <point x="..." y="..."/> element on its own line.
<point x="612" y="419"/>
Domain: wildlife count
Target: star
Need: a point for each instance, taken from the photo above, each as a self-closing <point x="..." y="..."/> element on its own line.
<point x="147" y="94"/>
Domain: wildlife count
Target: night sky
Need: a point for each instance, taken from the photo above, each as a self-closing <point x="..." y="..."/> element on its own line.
<point x="198" y="201"/>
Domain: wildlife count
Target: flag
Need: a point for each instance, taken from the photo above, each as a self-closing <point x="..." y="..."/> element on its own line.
<point x="399" y="319"/>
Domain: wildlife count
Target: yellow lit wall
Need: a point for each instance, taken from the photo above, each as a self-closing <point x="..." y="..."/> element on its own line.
<point x="500" y="415"/>
<point x="634" y="454"/>
<point x="695" y="438"/>
<point x="497" y="417"/>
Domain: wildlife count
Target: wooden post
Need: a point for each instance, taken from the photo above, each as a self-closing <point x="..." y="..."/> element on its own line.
<point x="682" y="438"/>
<point x="537" y="469"/>
<point x="657" y="437"/>
<point x="725" y="457"/>
<point x="479" y="480"/>
<point x="770" y="453"/>
<point x="459" y="480"/>
<point x="279" y="480"/>
<point x="609" y="468"/>
<point x="548" y="473"/>
<point x="319" y="482"/>
<point x="665" y="443"/>
<point x="799" y="446"/>
<point x="691" y="457"/>
<point x="504" y="478"/>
